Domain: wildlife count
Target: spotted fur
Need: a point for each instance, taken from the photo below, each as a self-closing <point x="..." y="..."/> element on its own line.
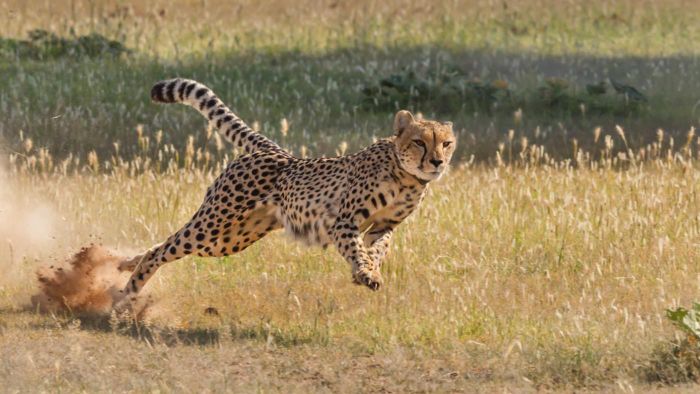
<point x="352" y="202"/>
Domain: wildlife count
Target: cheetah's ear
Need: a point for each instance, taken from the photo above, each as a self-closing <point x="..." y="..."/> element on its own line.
<point x="448" y="124"/>
<point x="402" y="120"/>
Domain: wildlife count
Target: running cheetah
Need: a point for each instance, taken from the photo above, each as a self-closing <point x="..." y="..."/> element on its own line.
<point x="352" y="202"/>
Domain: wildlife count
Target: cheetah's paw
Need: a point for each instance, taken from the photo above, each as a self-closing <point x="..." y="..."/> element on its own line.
<point x="129" y="265"/>
<point x="124" y="303"/>
<point x="370" y="278"/>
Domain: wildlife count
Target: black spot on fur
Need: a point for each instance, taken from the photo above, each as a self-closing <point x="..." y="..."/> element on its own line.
<point x="363" y="212"/>
<point x="189" y="89"/>
<point x="157" y="92"/>
<point x="181" y="91"/>
<point x="201" y="92"/>
<point x="170" y="91"/>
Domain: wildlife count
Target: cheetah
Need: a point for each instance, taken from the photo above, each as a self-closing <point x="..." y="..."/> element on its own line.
<point x="352" y="202"/>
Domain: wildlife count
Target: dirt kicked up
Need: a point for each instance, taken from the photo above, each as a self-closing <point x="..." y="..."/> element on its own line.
<point x="89" y="283"/>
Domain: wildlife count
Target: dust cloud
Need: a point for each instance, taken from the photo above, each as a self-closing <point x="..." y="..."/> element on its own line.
<point x="88" y="283"/>
<point x="28" y="229"/>
<point x="33" y="233"/>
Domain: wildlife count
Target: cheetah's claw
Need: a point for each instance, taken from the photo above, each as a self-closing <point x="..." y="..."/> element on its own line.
<point x="370" y="278"/>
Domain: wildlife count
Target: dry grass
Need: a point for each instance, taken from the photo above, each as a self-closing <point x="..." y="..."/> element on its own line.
<point x="517" y="277"/>
<point x="609" y="27"/>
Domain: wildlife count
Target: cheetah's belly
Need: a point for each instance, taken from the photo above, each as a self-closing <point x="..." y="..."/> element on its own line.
<point x="311" y="231"/>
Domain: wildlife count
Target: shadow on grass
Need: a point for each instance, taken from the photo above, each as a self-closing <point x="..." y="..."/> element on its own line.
<point x="150" y="333"/>
<point x="168" y="336"/>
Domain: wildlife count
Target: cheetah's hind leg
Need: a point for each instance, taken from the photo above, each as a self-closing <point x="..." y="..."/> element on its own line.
<point x="227" y="238"/>
<point x="130" y="264"/>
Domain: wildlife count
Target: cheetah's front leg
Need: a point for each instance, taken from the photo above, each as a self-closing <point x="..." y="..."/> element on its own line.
<point x="379" y="240"/>
<point x="348" y="241"/>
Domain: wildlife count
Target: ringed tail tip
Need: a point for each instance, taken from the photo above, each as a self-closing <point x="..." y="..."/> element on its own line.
<point x="164" y="91"/>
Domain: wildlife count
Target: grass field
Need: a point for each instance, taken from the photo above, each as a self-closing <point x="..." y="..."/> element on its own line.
<point x="531" y="278"/>
<point x="546" y="259"/>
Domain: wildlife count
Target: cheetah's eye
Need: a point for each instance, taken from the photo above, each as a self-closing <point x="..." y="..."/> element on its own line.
<point x="419" y="143"/>
<point x="446" y="144"/>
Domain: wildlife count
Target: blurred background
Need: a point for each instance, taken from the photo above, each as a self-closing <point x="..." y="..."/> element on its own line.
<point x="325" y="77"/>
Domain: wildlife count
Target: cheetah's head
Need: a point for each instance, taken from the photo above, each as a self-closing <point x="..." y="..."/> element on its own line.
<point x="424" y="147"/>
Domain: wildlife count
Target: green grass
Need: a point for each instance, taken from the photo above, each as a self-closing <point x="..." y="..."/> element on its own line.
<point x="311" y="70"/>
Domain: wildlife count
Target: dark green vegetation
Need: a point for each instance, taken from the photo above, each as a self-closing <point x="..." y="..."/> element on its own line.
<point x="44" y="45"/>
<point x="449" y="90"/>
<point x="331" y="98"/>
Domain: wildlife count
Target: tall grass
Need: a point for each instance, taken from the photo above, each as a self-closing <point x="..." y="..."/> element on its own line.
<point x="559" y="275"/>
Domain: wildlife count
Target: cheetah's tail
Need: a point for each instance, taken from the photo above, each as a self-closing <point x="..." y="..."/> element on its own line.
<point x="203" y="99"/>
<point x="180" y="90"/>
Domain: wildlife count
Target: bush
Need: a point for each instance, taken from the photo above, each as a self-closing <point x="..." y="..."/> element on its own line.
<point x="679" y="363"/>
<point x="44" y="45"/>
<point x="444" y="90"/>
<point x="448" y="90"/>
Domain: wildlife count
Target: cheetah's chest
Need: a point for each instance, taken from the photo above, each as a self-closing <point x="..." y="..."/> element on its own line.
<point x="307" y="203"/>
<point x="403" y="204"/>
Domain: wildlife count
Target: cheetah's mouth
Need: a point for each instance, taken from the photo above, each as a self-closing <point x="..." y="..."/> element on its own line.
<point x="430" y="175"/>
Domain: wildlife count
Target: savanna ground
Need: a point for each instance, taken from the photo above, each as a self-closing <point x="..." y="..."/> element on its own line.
<point x="546" y="259"/>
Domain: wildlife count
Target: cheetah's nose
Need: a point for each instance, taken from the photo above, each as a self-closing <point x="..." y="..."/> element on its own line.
<point x="436" y="163"/>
